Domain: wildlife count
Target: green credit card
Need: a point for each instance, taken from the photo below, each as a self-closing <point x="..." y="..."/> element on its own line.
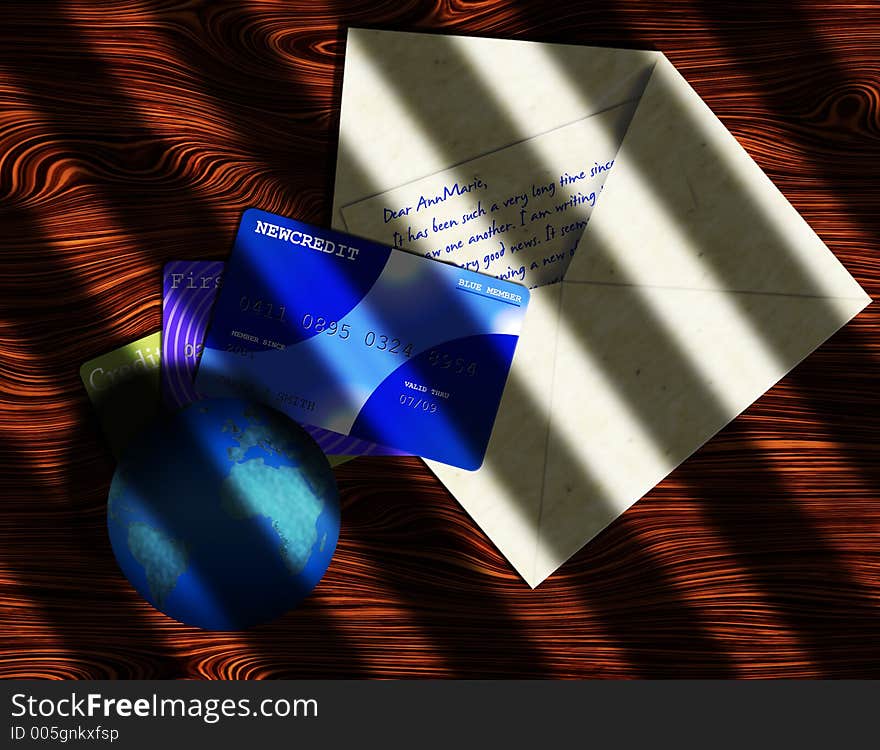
<point x="123" y="386"/>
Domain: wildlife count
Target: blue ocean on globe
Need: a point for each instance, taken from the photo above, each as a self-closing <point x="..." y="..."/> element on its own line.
<point x="224" y="515"/>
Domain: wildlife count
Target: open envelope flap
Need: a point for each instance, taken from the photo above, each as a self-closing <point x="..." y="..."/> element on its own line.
<point x="695" y="288"/>
<point x="685" y="206"/>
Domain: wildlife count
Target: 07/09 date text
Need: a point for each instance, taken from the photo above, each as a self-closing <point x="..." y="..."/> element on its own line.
<point x="418" y="403"/>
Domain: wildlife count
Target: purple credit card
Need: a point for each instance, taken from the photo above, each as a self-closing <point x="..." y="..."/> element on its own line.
<point x="189" y="290"/>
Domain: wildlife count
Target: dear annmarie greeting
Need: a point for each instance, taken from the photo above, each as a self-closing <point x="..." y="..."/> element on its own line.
<point x="516" y="213"/>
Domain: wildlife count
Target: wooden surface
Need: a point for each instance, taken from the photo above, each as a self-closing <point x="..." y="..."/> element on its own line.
<point x="135" y="134"/>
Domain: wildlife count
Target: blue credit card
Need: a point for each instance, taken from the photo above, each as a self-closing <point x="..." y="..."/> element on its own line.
<point x="362" y="339"/>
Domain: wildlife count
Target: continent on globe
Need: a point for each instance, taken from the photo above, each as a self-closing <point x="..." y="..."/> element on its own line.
<point x="253" y="489"/>
<point x="163" y="559"/>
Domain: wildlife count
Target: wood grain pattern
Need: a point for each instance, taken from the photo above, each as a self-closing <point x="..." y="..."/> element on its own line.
<point x="132" y="133"/>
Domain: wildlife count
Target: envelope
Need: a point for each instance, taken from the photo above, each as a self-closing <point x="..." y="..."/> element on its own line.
<point x="691" y="288"/>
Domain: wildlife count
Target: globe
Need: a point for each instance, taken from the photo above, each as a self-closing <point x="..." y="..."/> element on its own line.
<point x="223" y="515"/>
